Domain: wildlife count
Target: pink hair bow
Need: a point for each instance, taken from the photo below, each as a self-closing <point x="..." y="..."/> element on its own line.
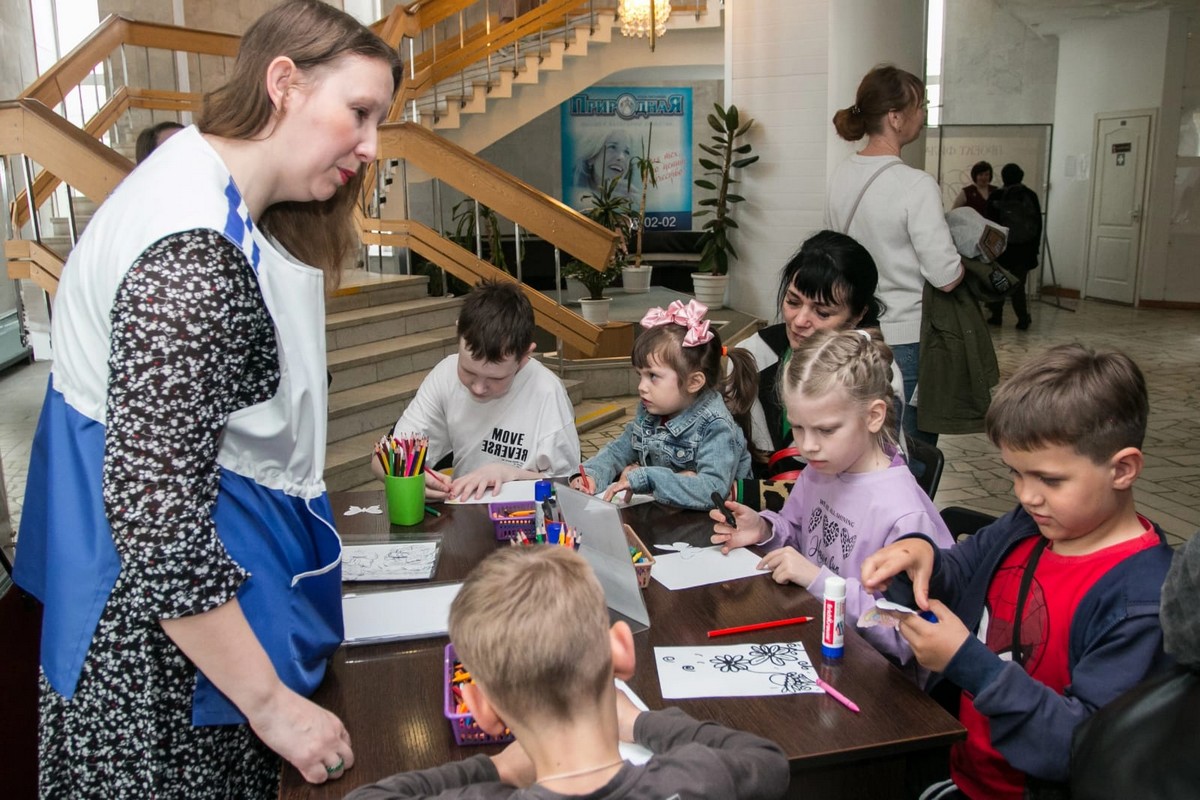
<point x="690" y="316"/>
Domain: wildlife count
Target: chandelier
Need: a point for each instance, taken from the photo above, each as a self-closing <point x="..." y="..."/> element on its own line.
<point x="644" y="18"/>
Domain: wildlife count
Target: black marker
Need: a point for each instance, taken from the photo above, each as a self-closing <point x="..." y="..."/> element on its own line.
<point x="719" y="504"/>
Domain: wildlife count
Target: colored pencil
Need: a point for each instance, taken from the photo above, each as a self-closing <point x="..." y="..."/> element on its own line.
<point x="758" y="626"/>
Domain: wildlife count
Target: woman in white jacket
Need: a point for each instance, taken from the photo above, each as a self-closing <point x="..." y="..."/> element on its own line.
<point x="895" y="211"/>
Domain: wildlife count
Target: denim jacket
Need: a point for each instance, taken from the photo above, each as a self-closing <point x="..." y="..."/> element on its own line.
<point x="703" y="438"/>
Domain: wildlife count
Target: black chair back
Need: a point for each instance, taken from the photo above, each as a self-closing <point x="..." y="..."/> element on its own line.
<point x="964" y="522"/>
<point x="926" y="463"/>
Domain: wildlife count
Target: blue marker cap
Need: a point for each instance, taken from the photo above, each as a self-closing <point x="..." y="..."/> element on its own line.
<point x="928" y="616"/>
<point x="553" y="532"/>
<point x="542" y="490"/>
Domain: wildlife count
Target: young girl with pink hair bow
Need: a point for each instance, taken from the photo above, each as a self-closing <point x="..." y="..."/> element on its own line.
<point x="688" y="439"/>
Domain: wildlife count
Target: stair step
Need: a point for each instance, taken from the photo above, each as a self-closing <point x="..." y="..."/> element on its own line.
<point x="373" y="323"/>
<point x="347" y="462"/>
<point x="360" y="289"/>
<point x="372" y="408"/>
<point x="381" y="360"/>
<point x="592" y="414"/>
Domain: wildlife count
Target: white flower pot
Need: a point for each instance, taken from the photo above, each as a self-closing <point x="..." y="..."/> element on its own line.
<point x="595" y="311"/>
<point x="636" y="279"/>
<point x="710" y="289"/>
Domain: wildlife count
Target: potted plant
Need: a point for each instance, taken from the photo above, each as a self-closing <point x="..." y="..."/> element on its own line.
<point x="594" y="307"/>
<point x="637" y="277"/>
<point x="610" y="208"/>
<point x="715" y="248"/>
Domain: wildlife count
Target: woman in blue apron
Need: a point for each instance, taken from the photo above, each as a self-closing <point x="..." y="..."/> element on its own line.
<point x="176" y="525"/>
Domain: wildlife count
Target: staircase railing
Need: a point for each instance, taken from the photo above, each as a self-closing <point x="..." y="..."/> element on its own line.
<point x="78" y="155"/>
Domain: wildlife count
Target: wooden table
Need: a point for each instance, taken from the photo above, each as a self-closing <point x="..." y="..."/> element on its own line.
<point x="390" y="695"/>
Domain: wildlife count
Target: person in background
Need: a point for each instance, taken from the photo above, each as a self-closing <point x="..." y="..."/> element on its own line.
<point x="150" y="138"/>
<point x="975" y="194"/>
<point x="1017" y="208"/>
<point x="829" y="284"/>
<point x="552" y="685"/>
<point x="176" y="526"/>
<point x="895" y="212"/>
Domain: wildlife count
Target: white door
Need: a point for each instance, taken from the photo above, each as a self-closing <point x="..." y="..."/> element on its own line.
<point x="1122" y="154"/>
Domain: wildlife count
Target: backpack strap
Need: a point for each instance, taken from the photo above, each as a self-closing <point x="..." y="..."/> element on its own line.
<point x="863" y="190"/>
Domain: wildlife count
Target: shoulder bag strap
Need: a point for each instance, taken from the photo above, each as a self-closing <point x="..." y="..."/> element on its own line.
<point x="1026" y="580"/>
<point x="861" y="192"/>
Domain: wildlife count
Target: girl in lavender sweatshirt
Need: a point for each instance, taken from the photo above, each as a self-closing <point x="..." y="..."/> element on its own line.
<point x="856" y="494"/>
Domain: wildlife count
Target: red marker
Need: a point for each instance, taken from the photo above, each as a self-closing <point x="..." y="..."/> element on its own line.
<point x="758" y="626"/>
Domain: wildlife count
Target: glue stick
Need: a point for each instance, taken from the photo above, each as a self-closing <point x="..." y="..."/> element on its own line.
<point x="834" y="618"/>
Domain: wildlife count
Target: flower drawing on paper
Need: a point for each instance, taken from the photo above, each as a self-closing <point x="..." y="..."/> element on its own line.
<point x="792" y="682"/>
<point x="775" y="654"/>
<point x="730" y="662"/>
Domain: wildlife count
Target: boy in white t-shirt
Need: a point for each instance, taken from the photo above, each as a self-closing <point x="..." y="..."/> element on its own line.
<point x="500" y="413"/>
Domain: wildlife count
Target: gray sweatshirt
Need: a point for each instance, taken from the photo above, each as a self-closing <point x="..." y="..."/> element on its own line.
<point x="691" y="760"/>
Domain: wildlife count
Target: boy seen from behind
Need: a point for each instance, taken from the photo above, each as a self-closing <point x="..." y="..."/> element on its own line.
<point x="501" y="413"/>
<point x="531" y="626"/>
<point x="1052" y="611"/>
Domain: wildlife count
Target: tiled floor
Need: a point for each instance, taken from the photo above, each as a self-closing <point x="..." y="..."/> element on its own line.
<point x="1166" y="344"/>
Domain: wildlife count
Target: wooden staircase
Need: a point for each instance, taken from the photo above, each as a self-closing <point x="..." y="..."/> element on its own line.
<point x="523" y="64"/>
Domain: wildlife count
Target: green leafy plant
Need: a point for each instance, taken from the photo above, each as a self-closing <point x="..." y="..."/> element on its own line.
<point x="715" y="248"/>
<point x="643" y="167"/>
<point x="593" y="279"/>
<point x="463" y="216"/>
<point x="608" y="207"/>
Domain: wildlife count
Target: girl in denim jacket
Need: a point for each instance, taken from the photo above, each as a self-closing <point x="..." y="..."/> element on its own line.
<point x="684" y="444"/>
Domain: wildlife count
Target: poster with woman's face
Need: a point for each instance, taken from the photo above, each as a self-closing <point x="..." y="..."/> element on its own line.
<point x="607" y="129"/>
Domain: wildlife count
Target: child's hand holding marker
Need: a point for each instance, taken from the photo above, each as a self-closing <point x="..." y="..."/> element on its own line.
<point x="583" y="482"/>
<point x="437" y="485"/>
<point x="745" y="528"/>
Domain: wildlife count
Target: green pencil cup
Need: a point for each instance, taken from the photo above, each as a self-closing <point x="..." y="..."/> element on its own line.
<point x="405" y="499"/>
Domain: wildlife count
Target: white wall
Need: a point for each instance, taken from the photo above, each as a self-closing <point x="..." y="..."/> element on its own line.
<point x="1175" y="200"/>
<point x="995" y="70"/>
<point x="777" y="68"/>
<point x="790" y="65"/>
<point x="864" y="34"/>
<point x="1098" y="72"/>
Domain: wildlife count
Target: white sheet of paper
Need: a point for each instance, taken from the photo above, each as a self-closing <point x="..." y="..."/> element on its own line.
<point x="511" y="492"/>
<point x="414" y="613"/>
<point x="619" y="498"/>
<point x="636" y="500"/>
<point x="395" y="561"/>
<point x="737" y="670"/>
<point x="699" y="566"/>
<point x="633" y="753"/>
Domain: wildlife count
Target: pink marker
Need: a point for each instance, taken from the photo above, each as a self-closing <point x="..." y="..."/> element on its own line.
<point x="836" y="695"/>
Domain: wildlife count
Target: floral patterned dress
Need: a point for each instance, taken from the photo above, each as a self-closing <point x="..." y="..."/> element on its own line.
<point x="192" y="342"/>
